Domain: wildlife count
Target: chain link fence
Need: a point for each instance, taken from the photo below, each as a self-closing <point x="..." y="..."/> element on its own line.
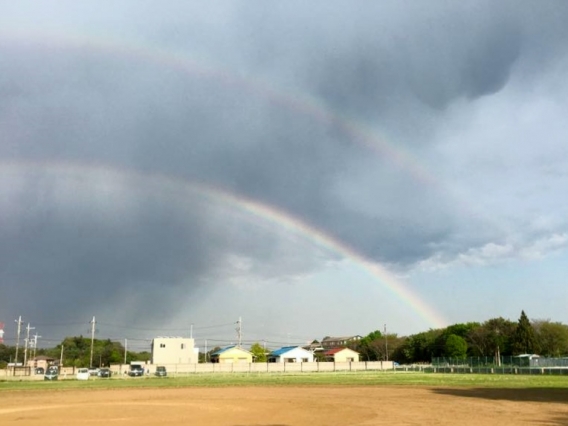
<point x="524" y="364"/>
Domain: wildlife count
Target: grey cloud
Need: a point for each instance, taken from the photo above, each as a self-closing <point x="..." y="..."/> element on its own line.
<point x="61" y="255"/>
<point x="275" y="119"/>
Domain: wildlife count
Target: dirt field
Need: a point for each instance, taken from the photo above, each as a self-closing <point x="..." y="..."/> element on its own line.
<point x="287" y="406"/>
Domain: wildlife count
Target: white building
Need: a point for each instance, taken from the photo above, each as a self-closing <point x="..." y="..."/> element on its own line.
<point x="173" y="350"/>
<point x="291" y="354"/>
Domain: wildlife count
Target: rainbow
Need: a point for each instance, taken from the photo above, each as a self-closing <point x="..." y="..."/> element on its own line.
<point x="303" y="104"/>
<point x="357" y="131"/>
<point x="286" y="97"/>
<point x="269" y="214"/>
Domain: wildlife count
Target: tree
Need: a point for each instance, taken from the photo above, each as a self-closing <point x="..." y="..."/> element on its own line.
<point x="7" y="354"/>
<point x="206" y="356"/>
<point x="524" y="340"/>
<point x="461" y="330"/>
<point x="77" y="352"/>
<point x="551" y="337"/>
<point x="419" y="347"/>
<point x="492" y="338"/>
<point x="370" y="347"/>
<point x="258" y="352"/>
<point x="143" y="356"/>
<point x="456" y="346"/>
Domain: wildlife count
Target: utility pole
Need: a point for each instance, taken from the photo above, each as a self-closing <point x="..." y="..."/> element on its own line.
<point x="205" y="357"/>
<point x="386" y="345"/>
<point x="191" y="331"/>
<point x="239" y="331"/>
<point x="125" y="349"/>
<point x="93" y="322"/>
<point x="19" y="321"/>
<point x="35" y="343"/>
<point x="28" y="328"/>
<point x="61" y="358"/>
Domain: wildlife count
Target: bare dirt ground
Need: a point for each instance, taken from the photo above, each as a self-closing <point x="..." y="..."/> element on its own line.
<point x="287" y="406"/>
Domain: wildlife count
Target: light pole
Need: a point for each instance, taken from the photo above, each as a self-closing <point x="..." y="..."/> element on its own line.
<point x="19" y="321"/>
<point x="386" y="345"/>
<point x="93" y="322"/>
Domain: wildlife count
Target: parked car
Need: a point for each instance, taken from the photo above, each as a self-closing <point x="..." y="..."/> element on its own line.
<point x="52" y="373"/>
<point x="40" y="370"/>
<point x="93" y="371"/>
<point x="104" y="372"/>
<point x="136" y="371"/>
<point x="161" y="371"/>
<point x="83" y="374"/>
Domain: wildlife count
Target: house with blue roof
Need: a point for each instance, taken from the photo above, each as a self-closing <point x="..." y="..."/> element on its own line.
<point x="291" y="354"/>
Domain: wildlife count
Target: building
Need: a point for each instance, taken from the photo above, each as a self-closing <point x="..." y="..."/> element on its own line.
<point x="291" y="354"/>
<point x="341" y="355"/>
<point x="42" y="361"/>
<point x="173" y="350"/>
<point x="231" y="355"/>
<point x="314" y="346"/>
<point x="339" y="342"/>
<point x="526" y="360"/>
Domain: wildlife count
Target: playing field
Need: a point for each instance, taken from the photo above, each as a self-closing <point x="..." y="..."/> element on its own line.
<point x="285" y="405"/>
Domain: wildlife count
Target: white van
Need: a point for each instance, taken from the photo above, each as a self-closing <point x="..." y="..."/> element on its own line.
<point x="83" y="374"/>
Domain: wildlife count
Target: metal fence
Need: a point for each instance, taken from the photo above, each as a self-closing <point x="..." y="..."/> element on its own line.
<point x="501" y="365"/>
<point x="503" y="361"/>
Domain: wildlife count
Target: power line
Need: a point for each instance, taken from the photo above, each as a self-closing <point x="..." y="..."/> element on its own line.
<point x="164" y="329"/>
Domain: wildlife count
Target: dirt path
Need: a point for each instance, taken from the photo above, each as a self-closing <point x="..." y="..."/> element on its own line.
<point x="286" y="406"/>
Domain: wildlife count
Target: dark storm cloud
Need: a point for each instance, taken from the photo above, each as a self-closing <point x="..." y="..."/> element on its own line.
<point x="395" y="68"/>
<point x="60" y="254"/>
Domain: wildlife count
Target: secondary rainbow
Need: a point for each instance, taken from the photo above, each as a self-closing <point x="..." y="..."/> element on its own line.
<point x="299" y="102"/>
<point x="289" y="98"/>
<point x="358" y="132"/>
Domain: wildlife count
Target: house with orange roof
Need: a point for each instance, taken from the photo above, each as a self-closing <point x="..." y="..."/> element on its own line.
<point x="341" y="355"/>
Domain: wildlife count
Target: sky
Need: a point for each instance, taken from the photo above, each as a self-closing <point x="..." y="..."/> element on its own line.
<point x="310" y="170"/>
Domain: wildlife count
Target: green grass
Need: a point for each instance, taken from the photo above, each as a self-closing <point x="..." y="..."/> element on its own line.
<point x="303" y="379"/>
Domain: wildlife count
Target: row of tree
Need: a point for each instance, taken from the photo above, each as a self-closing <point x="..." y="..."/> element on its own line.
<point x="76" y="351"/>
<point x="492" y="338"/>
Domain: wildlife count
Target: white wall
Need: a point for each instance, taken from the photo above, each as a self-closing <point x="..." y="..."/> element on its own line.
<point x="173" y="350"/>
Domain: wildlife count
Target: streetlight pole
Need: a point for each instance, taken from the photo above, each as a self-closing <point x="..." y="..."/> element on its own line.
<point x="19" y="321"/>
<point x="386" y="345"/>
<point x="93" y="322"/>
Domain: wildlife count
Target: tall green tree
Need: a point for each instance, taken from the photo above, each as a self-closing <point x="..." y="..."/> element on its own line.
<point x="419" y="347"/>
<point x="456" y="346"/>
<point x="461" y="330"/>
<point x="551" y="337"/>
<point x="259" y="352"/>
<point x="524" y="339"/>
<point x="492" y="338"/>
<point x="371" y="347"/>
